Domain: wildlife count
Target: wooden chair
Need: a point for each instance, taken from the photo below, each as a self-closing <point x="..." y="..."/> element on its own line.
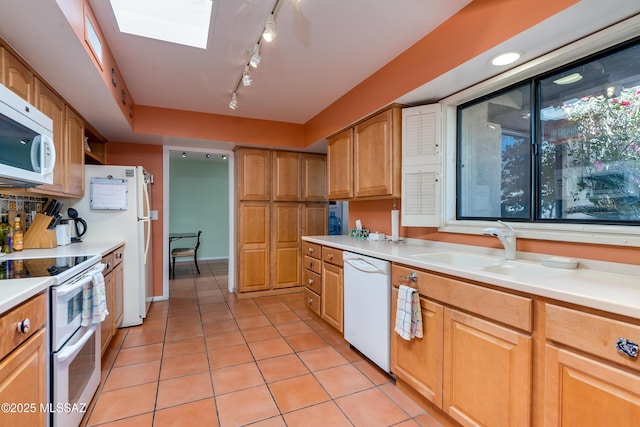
<point x="185" y="252"/>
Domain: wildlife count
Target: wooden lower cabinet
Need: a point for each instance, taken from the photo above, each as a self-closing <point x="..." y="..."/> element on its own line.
<point x="23" y="378"/>
<point x="114" y="292"/>
<point x="332" y="304"/>
<point x="23" y="364"/>
<point x="106" y="327"/>
<point x="588" y="382"/>
<point x="581" y="391"/>
<point x="476" y="370"/>
<point x="253" y="246"/>
<point x="487" y="377"/>
<point x="285" y="248"/>
<point x="419" y="362"/>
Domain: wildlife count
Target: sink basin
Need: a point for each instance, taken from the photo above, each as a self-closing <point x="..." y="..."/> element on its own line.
<point x="522" y="269"/>
<point x="456" y="259"/>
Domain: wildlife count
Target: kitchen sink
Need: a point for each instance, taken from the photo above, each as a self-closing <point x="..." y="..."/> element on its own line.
<point x="522" y="269"/>
<point x="456" y="259"/>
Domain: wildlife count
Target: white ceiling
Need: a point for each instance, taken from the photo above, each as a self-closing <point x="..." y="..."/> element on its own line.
<point x="323" y="49"/>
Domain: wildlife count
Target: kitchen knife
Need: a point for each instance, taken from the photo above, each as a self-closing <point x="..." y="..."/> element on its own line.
<point x="48" y="207"/>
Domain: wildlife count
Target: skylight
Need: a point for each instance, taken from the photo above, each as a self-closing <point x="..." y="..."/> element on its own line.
<point x="184" y="22"/>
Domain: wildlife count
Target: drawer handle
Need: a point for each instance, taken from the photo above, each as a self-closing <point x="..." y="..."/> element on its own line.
<point x="310" y="264"/>
<point x="310" y="301"/>
<point x="627" y="347"/>
<point x="24" y="326"/>
<point x="108" y="266"/>
<point x="330" y="256"/>
<point x="310" y="250"/>
<point x="311" y="281"/>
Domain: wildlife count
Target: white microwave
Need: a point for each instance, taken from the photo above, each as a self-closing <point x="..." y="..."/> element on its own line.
<point x="27" y="153"/>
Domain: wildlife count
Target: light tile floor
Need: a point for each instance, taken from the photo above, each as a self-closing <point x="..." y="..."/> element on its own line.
<point x="206" y="358"/>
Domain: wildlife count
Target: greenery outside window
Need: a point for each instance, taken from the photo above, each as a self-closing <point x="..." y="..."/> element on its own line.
<point x="560" y="147"/>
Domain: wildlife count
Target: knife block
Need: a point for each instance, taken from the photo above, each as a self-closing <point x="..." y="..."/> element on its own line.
<point x="38" y="235"/>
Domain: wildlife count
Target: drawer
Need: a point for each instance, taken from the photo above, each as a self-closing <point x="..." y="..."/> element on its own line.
<point x="35" y="310"/>
<point x="500" y="306"/>
<point x="312" y="301"/>
<point x="118" y="255"/>
<point x="311" y="249"/>
<point x="107" y="260"/>
<point x="313" y="264"/>
<point x="312" y="281"/>
<point x="332" y="255"/>
<point x="591" y="334"/>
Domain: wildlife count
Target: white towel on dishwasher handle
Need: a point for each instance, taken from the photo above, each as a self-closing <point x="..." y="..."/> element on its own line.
<point x="408" y="313"/>
<point x="94" y="301"/>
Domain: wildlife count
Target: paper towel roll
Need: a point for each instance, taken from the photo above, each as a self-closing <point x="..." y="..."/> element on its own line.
<point x="395" y="225"/>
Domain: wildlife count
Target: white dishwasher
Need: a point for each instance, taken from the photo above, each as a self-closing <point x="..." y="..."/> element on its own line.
<point x="367" y="307"/>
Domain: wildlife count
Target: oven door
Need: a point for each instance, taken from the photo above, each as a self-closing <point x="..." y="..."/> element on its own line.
<point x="75" y="376"/>
<point x="66" y="312"/>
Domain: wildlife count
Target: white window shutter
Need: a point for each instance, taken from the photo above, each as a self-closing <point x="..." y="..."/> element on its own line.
<point x="421" y="165"/>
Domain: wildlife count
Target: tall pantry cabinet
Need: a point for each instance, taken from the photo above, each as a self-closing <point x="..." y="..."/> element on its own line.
<point x="281" y="196"/>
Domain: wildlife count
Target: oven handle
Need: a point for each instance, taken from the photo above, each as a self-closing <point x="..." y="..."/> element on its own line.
<point x="88" y="277"/>
<point x="72" y="351"/>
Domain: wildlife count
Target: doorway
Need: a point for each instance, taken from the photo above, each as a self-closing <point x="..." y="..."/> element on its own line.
<point x="199" y="192"/>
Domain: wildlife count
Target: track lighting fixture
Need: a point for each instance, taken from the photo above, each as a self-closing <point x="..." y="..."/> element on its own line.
<point x="224" y="157"/>
<point x="267" y="35"/>
<point x="184" y="154"/>
<point x="246" y="77"/>
<point x="233" y="104"/>
<point x="254" y="61"/>
<point x="208" y="156"/>
<point x="269" y="32"/>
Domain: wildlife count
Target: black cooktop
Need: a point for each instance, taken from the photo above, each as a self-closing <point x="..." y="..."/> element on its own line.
<point x="38" y="267"/>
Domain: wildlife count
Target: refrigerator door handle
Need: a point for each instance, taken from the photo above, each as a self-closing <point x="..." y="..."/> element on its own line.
<point x="147" y="217"/>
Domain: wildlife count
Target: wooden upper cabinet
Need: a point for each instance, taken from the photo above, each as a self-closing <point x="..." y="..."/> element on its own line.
<point x="314" y="177"/>
<point x="53" y="106"/>
<point x="377" y="149"/>
<point x="16" y="76"/>
<point x="286" y="176"/>
<point x="74" y="140"/>
<point x="340" y="166"/>
<point x="254" y="174"/>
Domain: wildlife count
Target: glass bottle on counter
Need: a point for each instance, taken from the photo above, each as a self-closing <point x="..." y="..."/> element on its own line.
<point x="7" y="235"/>
<point x="18" y="236"/>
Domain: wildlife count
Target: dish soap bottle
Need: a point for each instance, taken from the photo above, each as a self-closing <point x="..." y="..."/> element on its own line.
<point x="18" y="236"/>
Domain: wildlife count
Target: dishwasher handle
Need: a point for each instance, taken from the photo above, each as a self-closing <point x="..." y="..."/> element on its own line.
<point x="364" y="266"/>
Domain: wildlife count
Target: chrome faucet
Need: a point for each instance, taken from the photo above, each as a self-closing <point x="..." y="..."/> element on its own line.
<point x="506" y="237"/>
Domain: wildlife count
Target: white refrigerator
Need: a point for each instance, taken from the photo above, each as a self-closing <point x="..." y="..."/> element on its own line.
<point x="117" y="206"/>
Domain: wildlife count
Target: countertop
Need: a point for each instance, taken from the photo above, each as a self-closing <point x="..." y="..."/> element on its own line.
<point x="15" y="291"/>
<point x="610" y="287"/>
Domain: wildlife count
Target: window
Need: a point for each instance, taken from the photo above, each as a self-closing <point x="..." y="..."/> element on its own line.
<point x="567" y="142"/>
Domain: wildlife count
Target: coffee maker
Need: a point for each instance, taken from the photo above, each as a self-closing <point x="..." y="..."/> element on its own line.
<point x="79" y="226"/>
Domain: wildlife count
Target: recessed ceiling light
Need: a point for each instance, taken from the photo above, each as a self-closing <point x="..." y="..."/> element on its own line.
<point x="184" y="22"/>
<point x="571" y="78"/>
<point x="506" y="58"/>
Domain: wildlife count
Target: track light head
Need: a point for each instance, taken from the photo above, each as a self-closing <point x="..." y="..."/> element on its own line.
<point x="269" y="29"/>
<point x="246" y="77"/>
<point x="254" y="61"/>
<point x="233" y="104"/>
<point x="184" y="154"/>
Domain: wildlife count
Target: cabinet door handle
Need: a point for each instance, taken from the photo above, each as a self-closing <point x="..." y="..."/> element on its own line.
<point x="24" y="326"/>
<point x="311" y="281"/>
<point x="310" y="264"/>
<point x="310" y="301"/>
<point x="627" y="347"/>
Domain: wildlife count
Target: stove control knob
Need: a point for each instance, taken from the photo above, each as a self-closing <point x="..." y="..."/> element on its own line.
<point x="24" y="326"/>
